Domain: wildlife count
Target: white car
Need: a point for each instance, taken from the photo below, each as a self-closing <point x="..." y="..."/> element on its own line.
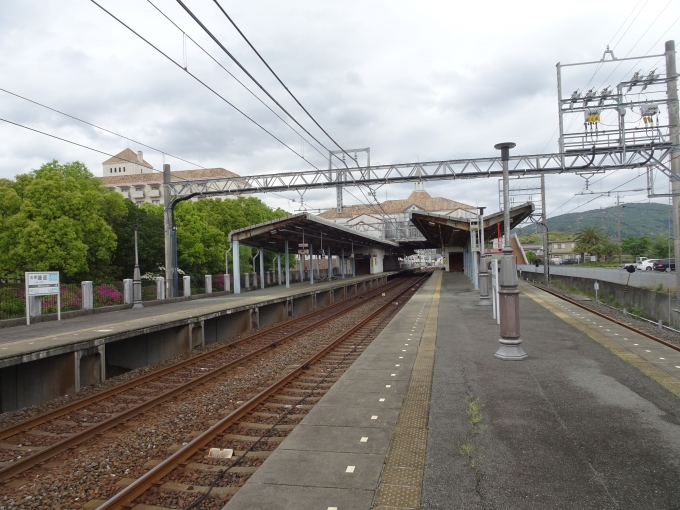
<point x="646" y="265"/>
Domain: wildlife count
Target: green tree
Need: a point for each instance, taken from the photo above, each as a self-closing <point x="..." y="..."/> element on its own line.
<point x="635" y="246"/>
<point x="150" y="239"/>
<point x="55" y="220"/>
<point x="587" y="238"/>
<point x="531" y="257"/>
<point x="200" y="246"/>
<point x="606" y="249"/>
<point x="658" y="248"/>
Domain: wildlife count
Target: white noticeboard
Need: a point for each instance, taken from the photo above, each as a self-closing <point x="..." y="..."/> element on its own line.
<point x="43" y="283"/>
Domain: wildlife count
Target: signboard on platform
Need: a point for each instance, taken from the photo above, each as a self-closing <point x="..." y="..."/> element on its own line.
<point x="303" y="245"/>
<point x="41" y="283"/>
<point x="303" y="252"/>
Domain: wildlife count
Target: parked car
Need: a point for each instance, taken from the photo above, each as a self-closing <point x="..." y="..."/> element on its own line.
<point x="664" y="264"/>
<point x="646" y="265"/>
<point x="570" y="261"/>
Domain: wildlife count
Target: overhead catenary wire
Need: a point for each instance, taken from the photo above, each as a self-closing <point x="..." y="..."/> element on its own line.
<point x="209" y="55"/>
<point x="235" y="60"/>
<point x="636" y="43"/>
<point x="205" y="85"/>
<point x="104" y="152"/>
<point x="281" y="82"/>
<point x="78" y="144"/>
<point x="100" y="127"/>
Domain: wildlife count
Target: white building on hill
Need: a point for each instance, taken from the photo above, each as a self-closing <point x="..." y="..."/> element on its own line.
<point x="130" y="175"/>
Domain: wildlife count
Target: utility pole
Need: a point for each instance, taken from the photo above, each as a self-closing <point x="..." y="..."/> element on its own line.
<point x="618" y="221"/>
<point x="137" y="279"/>
<point x="674" y="122"/>
<point x="170" y="237"/>
<point x="546" y="245"/>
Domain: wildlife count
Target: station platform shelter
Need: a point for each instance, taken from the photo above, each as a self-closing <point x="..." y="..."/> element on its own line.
<point x="460" y="239"/>
<point x="311" y="238"/>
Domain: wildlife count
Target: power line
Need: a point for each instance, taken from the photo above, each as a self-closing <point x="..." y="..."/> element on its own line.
<point x="206" y="86"/>
<point x="102" y="152"/>
<point x="217" y="41"/>
<point x="631" y="23"/>
<point x="279" y="80"/>
<point x="232" y="75"/>
<point x="78" y="144"/>
<point x="600" y="196"/>
<point x="99" y="127"/>
<point x="637" y="42"/>
<point x="653" y="46"/>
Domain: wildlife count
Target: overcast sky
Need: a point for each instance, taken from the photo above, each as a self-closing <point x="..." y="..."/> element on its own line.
<point x="414" y="81"/>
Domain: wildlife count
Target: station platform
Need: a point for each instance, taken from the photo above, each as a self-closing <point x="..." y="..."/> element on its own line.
<point x="50" y="359"/>
<point x="591" y="419"/>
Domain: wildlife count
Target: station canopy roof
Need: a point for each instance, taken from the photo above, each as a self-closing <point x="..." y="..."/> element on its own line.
<point x="440" y="231"/>
<point x="309" y="229"/>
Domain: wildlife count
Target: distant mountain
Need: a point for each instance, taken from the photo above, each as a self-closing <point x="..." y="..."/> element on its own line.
<point x="636" y="220"/>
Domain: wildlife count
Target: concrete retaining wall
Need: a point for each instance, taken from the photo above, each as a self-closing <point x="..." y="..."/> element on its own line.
<point x="642" y="279"/>
<point x="653" y="305"/>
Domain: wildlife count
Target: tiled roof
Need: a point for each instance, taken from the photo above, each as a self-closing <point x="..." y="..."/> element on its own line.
<point x="420" y="198"/>
<point x="127" y="156"/>
<point x="207" y="173"/>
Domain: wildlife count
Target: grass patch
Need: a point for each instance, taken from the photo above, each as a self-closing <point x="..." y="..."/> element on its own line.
<point x="466" y="451"/>
<point x="474" y="411"/>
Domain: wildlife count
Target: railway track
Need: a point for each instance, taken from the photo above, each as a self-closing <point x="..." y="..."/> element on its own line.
<point x="64" y="429"/>
<point x="604" y="316"/>
<point x="191" y="478"/>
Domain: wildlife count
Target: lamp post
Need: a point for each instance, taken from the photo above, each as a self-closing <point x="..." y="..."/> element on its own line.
<point x="511" y="343"/>
<point x="484" y="299"/>
<point x="136" y="280"/>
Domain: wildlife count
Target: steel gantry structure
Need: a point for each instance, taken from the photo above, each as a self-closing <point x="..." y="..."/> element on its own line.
<point x="652" y="156"/>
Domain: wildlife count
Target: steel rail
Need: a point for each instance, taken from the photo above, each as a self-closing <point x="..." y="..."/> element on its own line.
<point x="45" y="454"/>
<point x="79" y="404"/>
<point x="125" y="497"/>
<point x="611" y="319"/>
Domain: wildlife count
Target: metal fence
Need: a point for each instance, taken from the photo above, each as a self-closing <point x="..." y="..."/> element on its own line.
<point x="12" y="301"/>
<point x="107" y="294"/>
<point x="13" y="296"/>
<point x="149" y="290"/>
<point x="218" y="282"/>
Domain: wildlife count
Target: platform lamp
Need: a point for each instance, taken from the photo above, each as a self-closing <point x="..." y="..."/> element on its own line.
<point x="508" y="295"/>
<point x="137" y="279"/>
<point x="484" y="299"/>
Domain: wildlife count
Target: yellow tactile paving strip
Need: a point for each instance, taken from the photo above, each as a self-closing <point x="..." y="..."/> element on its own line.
<point x="402" y="477"/>
<point x="617" y="340"/>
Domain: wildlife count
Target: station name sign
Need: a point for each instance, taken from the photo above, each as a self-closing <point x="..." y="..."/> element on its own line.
<point x="42" y="283"/>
